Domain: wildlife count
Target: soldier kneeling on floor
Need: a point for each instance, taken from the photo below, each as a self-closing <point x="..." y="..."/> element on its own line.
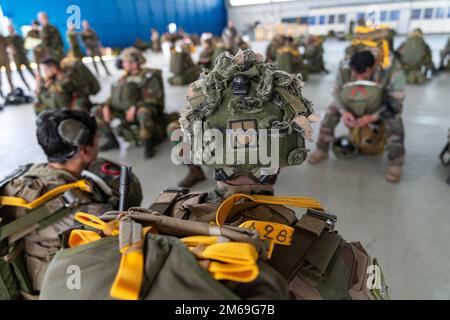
<point x="38" y="201"/>
<point x="183" y="68"/>
<point x="135" y="110"/>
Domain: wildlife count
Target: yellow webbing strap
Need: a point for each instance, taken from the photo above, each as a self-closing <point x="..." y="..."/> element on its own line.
<point x="83" y="185"/>
<point x="300" y="202"/>
<point x="234" y="261"/>
<point x="290" y="50"/>
<point x="276" y="233"/>
<point x="128" y="280"/>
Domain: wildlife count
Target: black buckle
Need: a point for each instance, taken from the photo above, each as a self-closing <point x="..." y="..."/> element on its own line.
<point x="177" y="190"/>
<point x="329" y="218"/>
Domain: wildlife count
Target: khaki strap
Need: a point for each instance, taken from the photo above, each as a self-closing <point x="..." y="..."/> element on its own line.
<point x="296" y="105"/>
<point x="165" y="200"/>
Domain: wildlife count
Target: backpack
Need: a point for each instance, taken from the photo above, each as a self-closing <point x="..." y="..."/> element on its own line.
<point x="81" y="76"/>
<point x="413" y="51"/>
<point x="19" y="218"/>
<point x="141" y="254"/>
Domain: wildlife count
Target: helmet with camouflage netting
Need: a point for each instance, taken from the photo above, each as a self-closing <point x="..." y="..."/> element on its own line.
<point x="245" y="115"/>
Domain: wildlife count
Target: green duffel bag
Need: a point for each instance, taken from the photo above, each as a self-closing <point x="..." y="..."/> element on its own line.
<point x="141" y="254"/>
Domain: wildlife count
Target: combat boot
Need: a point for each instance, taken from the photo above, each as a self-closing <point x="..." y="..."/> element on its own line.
<point x="111" y="142"/>
<point x="149" y="152"/>
<point x="194" y="176"/>
<point x="394" y="173"/>
<point x="317" y="156"/>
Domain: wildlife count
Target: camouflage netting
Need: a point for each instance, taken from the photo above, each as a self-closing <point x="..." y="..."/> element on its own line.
<point x="267" y="77"/>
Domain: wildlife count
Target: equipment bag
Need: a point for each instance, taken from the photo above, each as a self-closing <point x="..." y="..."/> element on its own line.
<point x="412" y="53"/>
<point x="141" y="254"/>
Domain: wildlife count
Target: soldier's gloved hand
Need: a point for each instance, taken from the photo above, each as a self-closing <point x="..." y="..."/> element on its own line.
<point x="349" y="119"/>
<point x="131" y="114"/>
<point x="106" y="110"/>
<point x="365" y="120"/>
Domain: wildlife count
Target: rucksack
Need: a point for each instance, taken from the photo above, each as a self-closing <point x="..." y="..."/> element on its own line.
<point x="82" y="78"/>
<point x="141" y="254"/>
<point x="413" y="51"/>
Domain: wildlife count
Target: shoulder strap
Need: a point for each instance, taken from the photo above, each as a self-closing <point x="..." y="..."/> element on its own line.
<point x="15" y="174"/>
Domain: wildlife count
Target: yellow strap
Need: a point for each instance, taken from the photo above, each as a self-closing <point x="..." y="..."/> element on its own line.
<point x="83" y="185"/>
<point x="129" y="277"/>
<point x="300" y="202"/>
<point x="234" y="261"/>
<point x="233" y="272"/>
<point x="80" y="237"/>
<point x="274" y="232"/>
<point x="95" y="222"/>
<point x="290" y="50"/>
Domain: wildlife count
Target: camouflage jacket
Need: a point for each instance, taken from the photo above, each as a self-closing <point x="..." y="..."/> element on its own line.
<point x="52" y="42"/>
<point x="392" y="79"/>
<point x="35" y="181"/>
<point x="19" y="52"/>
<point x="37" y="51"/>
<point x="72" y="36"/>
<point x="319" y="263"/>
<point x="57" y="95"/>
<point x="4" y="58"/>
<point x="150" y="89"/>
<point x="90" y="38"/>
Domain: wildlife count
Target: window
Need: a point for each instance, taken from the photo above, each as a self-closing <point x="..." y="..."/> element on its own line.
<point x="312" y="20"/>
<point x="415" y="14"/>
<point x="321" y="19"/>
<point x="440" y="13"/>
<point x="448" y="14"/>
<point x="394" y="15"/>
<point x="289" y="20"/>
<point x="360" y="16"/>
<point x="303" y="20"/>
<point x="428" y="13"/>
<point x="383" y="15"/>
<point x="341" y="17"/>
<point x="331" y="19"/>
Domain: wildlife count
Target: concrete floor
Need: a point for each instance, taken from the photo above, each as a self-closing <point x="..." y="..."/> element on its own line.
<point x="406" y="226"/>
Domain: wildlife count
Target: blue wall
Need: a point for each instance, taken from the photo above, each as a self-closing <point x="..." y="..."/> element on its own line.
<point x="120" y="22"/>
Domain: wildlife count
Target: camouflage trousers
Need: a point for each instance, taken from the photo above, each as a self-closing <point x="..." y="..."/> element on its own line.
<point x="444" y="54"/>
<point x="148" y="124"/>
<point x="394" y="134"/>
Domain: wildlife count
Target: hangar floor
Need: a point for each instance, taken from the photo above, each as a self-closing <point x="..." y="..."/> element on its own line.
<point x="406" y="226"/>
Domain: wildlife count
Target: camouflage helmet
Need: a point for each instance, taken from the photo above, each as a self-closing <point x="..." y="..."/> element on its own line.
<point x="242" y="100"/>
<point x="132" y="54"/>
<point x="344" y="148"/>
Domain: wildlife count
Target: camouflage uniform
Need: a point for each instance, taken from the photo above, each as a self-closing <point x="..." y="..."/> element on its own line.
<point x="206" y="56"/>
<point x="444" y="53"/>
<point x="314" y="55"/>
<point x="71" y="89"/>
<point x="92" y="44"/>
<point x="290" y="60"/>
<point x="41" y="244"/>
<point x="183" y="68"/>
<point x="75" y="49"/>
<point x="393" y="80"/>
<point x="415" y="58"/>
<point x="4" y="61"/>
<point x="149" y="101"/>
<point x="37" y="51"/>
<point x="52" y="43"/>
<point x="274" y="45"/>
<point x="20" y="56"/>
